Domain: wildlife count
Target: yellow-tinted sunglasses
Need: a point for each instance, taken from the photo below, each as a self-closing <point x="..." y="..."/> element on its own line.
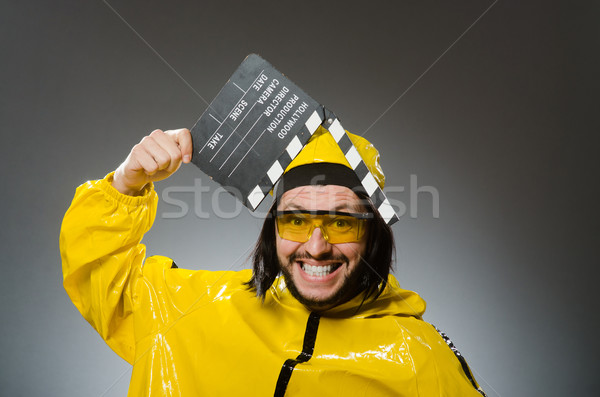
<point x="336" y="227"/>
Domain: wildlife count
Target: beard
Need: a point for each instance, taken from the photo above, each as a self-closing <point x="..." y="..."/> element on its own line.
<point x="348" y="290"/>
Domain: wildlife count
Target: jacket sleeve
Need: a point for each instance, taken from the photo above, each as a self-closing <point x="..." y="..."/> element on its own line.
<point x="102" y="257"/>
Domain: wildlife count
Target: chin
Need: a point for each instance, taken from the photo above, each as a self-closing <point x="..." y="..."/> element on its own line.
<point x="324" y="298"/>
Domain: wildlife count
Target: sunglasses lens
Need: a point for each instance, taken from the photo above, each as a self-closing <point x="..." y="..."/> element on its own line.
<point x="294" y="227"/>
<point x="342" y="229"/>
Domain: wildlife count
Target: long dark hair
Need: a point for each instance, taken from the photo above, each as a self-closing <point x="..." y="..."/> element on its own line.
<point x="376" y="264"/>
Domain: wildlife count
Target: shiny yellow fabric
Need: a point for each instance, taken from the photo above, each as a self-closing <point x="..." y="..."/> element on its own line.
<point x="202" y="333"/>
<point x="322" y="148"/>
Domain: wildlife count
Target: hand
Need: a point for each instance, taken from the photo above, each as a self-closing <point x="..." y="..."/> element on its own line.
<point x="155" y="158"/>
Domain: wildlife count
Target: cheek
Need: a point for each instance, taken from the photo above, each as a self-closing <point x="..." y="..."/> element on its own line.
<point x="352" y="251"/>
<point x="285" y="247"/>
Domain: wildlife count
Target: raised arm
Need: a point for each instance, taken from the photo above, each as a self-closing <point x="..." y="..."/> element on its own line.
<point x="101" y="232"/>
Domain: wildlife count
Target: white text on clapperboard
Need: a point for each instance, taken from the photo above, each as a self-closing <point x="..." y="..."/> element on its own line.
<point x="284" y="110"/>
<point x="273" y="95"/>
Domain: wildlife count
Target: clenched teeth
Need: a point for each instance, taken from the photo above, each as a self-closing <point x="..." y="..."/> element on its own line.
<point x="318" y="271"/>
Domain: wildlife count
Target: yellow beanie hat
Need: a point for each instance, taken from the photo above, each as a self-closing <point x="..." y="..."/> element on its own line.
<point x="322" y="148"/>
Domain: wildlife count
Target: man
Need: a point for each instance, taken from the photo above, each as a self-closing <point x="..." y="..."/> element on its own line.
<point x="335" y="322"/>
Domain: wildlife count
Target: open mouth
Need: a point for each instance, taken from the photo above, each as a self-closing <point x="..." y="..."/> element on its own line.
<point x="319" y="271"/>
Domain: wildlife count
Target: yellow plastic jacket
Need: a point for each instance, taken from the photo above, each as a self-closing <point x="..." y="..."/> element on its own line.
<point x="202" y="333"/>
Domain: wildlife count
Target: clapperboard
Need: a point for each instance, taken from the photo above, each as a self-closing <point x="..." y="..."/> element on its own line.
<point x="257" y="124"/>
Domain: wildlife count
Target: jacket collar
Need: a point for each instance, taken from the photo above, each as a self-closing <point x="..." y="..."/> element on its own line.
<point x="393" y="301"/>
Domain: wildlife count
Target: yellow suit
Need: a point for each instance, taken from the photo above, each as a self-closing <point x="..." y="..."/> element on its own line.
<point x="190" y="333"/>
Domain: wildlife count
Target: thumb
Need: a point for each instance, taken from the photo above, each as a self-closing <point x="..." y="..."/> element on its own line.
<point x="183" y="137"/>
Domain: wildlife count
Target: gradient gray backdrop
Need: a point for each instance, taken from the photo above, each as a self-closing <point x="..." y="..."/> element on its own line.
<point x="503" y="125"/>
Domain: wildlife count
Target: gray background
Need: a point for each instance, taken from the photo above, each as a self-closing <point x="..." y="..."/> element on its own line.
<point x="503" y="125"/>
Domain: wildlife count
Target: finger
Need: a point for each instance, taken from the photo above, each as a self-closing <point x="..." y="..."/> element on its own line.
<point x="167" y="142"/>
<point x="143" y="160"/>
<point x="183" y="137"/>
<point x="157" y="152"/>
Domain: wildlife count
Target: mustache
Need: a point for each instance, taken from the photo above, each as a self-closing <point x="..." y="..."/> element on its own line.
<point x="334" y="257"/>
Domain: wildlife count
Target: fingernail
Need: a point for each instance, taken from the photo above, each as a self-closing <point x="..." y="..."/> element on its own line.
<point x="186" y="158"/>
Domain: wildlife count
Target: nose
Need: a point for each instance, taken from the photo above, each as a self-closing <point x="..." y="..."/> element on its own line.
<point x="317" y="245"/>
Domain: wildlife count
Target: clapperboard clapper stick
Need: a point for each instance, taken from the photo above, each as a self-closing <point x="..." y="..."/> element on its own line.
<point x="257" y="124"/>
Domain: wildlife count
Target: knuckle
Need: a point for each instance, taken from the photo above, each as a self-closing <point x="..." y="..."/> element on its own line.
<point x="135" y="150"/>
<point x="151" y="168"/>
<point x="162" y="160"/>
<point x="171" y="134"/>
<point x="156" y="135"/>
<point x="145" y="140"/>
